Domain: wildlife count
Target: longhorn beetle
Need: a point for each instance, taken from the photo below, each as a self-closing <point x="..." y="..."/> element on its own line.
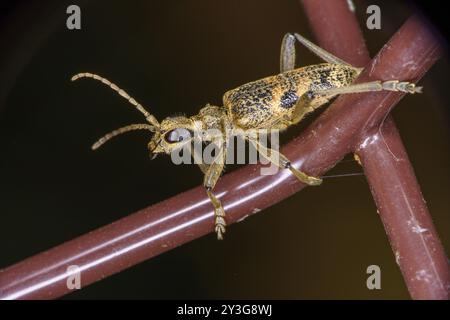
<point x="275" y="102"/>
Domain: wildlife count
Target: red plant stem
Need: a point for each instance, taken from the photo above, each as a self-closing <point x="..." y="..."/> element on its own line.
<point x="188" y="216"/>
<point x="405" y="216"/>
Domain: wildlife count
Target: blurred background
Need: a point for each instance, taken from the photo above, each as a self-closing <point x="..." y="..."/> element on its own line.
<point x="175" y="56"/>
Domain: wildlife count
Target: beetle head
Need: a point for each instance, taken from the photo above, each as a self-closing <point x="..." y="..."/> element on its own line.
<point x="173" y="134"/>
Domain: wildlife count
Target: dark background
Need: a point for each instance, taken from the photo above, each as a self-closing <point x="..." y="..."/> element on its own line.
<point x="175" y="56"/>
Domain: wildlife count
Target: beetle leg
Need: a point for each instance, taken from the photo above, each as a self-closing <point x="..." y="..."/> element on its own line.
<point x="219" y="215"/>
<point x="288" y="55"/>
<point x="198" y="160"/>
<point x="391" y="85"/>
<point x="282" y="162"/>
<point x="306" y="105"/>
<point x="211" y="176"/>
<point x="318" y="51"/>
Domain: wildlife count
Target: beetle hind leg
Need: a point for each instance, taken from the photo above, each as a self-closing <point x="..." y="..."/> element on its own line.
<point x="390" y="85"/>
<point x="212" y="175"/>
<point x="288" y="54"/>
<point x="219" y="215"/>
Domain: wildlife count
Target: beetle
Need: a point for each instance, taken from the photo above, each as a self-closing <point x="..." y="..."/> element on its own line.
<point x="274" y="102"/>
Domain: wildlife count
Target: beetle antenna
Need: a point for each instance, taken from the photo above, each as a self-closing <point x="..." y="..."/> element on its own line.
<point x="112" y="134"/>
<point x="150" y="118"/>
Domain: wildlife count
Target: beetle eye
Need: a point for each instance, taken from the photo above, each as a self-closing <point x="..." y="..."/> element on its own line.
<point x="177" y="135"/>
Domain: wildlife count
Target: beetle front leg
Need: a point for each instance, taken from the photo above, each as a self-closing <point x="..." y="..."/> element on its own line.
<point x="211" y="176"/>
<point x="282" y="162"/>
<point x="219" y="214"/>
